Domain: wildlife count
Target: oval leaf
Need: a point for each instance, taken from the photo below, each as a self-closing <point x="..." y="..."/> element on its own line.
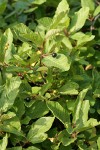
<point x="61" y="61"/>
<point x="79" y="19"/>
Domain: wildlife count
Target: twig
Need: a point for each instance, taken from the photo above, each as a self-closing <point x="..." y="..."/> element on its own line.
<point x="66" y="32"/>
<point x="97" y="2"/>
<point x="41" y="56"/>
<point x="93" y="23"/>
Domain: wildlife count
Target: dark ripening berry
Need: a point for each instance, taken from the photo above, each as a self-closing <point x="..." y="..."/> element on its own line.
<point x="96" y="47"/>
<point x="28" y="57"/>
<point x="22" y="77"/>
<point x="27" y="99"/>
<point x="45" y="74"/>
<point x="54" y="54"/>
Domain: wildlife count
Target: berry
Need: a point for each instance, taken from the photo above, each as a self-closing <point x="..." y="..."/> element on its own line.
<point x="45" y="74"/>
<point x="21" y="77"/>
<point x="96" y="47"/>
<point x="54" y="55"/>
<point x="27" y="99"/>
<point x="28" y="57"/>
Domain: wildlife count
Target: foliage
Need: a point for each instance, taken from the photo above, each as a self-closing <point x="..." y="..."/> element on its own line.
<point x="49" y="75"/>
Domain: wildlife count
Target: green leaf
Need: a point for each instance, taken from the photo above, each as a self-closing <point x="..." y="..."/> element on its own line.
<point x="98" y="142"/>
<point x="23" y="33"/>
<point x="61" y="61"/>
<point x="24" y="49"/>
<point x="38" y="109"/>
<point x="89" y="3"/>
<point x="69" y="147"/>
<point x="3" y="48"/>
<point x="37" y="138"/>
<point x="11" y="124"/>
<point x="62" y="7"/>
<point x="82" y="38"/>
<point x="39" y="2"/>
<point x="70" y="105"/>
<point x="19" y="60"/>
<point x="42" y="125"/>
<point x="60" y="22"/>
<point x="15" y="148"/>
<point x="11" y="129"/>
<point x="43" y="68"/>
<point x="70" y="88"/>
<point x="59" y="112"/>
<point x="16" y="69"/>
<point x="4" y="142"/>
<point x="82" y="145"/>
<point x="32" y="148"/>
<point x="6" y="46"/>
<point x="88" y="125"/>
<point x="97" y="11"/>
<point x="60" y="16"/>
<point x="85" y="109"/>
<point x="44" y="88"/>
<point x="8" y="54"/>
<point x="9" y="93"/>
<point x="65" y="138"/>
<point x="3" y="4"/>
<point x="19" y="109"/>
<point x="45" y="22"/>
<point x="92" y="123"/>
<point x="52" y="32"/>
<point x="79" y="19"/>
<point x="34" y="57"/>
<point x="67" y="141"/>
<point x="97" y="92"/>
<point x="37" y="132"/>
<point x="20" y="5"/>
<point x="35" y="89"/>
<point x="67" y="43"/>
<point x="78" y="105"/>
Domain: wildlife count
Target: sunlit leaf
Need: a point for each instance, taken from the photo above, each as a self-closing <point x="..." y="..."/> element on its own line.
<point x="4" y="142"/>
<point x="23" y="33"/>
<point x="61" y="61"/>
<point x="69" y="88"/>
<point x="78" y="105"/>
<point x="59" y="112"/>
<point x="79" y="19"/>
<point x="37" y="132"/>
<point x="9" y="93"/>
<point x="89" y="3"/>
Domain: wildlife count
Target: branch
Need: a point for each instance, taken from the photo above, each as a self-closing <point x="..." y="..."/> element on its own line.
<point x="94" y="21"/>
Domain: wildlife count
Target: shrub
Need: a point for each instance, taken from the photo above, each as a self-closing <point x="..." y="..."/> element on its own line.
<point x="49" y="75"/>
